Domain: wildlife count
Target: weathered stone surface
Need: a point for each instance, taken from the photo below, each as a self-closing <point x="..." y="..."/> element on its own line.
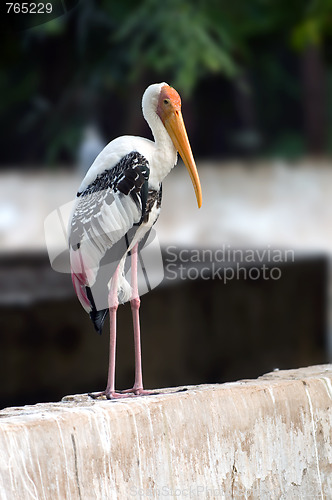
<point x="266" y="438"/>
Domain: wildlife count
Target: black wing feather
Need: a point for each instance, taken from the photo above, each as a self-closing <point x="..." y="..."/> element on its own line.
<point x="129" y="177"/>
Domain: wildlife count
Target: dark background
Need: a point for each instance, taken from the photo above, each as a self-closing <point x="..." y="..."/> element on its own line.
<point x="256" y="83"/>
<point x="258" y="74"/>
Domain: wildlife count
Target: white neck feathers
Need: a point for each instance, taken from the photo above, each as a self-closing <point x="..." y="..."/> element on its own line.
<point x="165" y="153"/>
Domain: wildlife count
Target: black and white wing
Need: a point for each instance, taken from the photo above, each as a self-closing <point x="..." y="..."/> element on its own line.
<point x="106" y="210"/>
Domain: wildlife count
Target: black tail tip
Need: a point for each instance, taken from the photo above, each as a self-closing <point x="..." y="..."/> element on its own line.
<point x="98" y="318"/>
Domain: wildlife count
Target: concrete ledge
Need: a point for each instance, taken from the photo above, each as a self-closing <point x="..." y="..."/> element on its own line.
<point x="266" y="438"/>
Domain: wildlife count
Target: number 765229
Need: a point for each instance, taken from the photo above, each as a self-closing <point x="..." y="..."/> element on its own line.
<point x="29" y="8"/>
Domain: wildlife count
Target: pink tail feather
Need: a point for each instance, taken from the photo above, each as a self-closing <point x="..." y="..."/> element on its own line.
<point x="79" y="279"/>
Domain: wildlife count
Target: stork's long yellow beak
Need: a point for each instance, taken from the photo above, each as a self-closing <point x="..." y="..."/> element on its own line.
<point x="169" y="111"/>
<point x="177" y="131"/>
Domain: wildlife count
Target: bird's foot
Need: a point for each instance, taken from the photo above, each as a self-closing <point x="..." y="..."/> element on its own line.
<point x="109" y="395"/>
<point x="137" y="391"/>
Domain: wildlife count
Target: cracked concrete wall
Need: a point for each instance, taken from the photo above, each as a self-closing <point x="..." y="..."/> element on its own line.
<point x="266" y="438"/>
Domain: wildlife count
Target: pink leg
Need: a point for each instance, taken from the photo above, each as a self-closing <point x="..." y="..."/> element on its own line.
<point x="113" y="303"/>
<point x="135" y="304"/>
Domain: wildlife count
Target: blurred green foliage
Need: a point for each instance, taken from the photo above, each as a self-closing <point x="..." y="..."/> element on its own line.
<point x="60" y="74"/>
<point x="186" y="39"/>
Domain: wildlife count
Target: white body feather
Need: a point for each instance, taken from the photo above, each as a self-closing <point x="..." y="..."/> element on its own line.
<point x="117" y="218"/>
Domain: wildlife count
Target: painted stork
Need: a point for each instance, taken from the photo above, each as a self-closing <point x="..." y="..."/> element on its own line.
<point x="116" y="206"/>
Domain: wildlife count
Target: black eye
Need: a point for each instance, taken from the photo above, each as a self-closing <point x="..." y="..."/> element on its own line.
<point x="166" y="101"/>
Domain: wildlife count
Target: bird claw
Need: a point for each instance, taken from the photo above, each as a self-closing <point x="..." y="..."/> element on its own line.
<point x="127" y="393"/>
<point x="137" y="391"/>
<point x="109" y="395"/>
